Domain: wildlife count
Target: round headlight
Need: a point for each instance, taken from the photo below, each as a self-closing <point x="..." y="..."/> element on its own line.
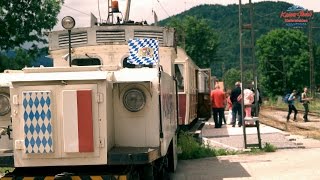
<point x="4" y="104"/>
<point x="68" y="22"/>
<point x="134" y="100"/>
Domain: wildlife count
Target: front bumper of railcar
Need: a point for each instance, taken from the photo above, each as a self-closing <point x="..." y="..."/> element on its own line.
<point x="145" y="116"/>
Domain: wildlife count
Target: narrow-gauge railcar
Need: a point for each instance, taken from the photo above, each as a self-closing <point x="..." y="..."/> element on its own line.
<point x="186" y="72"/>
<point x="204" y="102"/>
<point x="102" y="112"/>
<point x="193" y="90"/>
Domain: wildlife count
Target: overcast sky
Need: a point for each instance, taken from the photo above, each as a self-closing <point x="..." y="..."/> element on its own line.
<point x="142" y="9"/>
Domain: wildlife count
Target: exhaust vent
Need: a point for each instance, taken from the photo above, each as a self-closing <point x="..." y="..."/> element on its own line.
<point x="110" y="36"/>
<point x="76" y="39"/>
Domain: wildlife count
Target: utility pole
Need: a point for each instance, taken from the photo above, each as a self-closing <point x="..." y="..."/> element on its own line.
<point x="246" y="25"/>
<point x="311" y="59"/>
<point x="313" y="86"/>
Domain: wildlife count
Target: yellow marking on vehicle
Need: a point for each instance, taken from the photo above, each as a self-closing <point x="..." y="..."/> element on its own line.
<point x="5" y="178"/>
<point x="96" y="178"/>
<point x="49" y="178"/>
<point x="121" y="177"/>
<point x="76" y="178"/>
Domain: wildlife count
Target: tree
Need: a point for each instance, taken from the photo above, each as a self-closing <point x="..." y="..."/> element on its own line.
<point x="23" y="24"/>
<point x="230" y="77"/>
<point x="233" y="75"/>
<point x="283" y="57"/>
<point x="197" y="38"/>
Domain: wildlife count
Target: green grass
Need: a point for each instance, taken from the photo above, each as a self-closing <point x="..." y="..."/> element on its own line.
<point x="4" y="169"/>
<point x="267" y="148"/>
<point x="191" y="149"/>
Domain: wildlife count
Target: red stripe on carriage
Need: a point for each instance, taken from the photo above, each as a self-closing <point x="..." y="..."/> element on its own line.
<point x="85" y="120"/>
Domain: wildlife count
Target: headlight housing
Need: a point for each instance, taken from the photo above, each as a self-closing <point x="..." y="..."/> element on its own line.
<point x="134" y="100"/>
<point x="4" y="104"/>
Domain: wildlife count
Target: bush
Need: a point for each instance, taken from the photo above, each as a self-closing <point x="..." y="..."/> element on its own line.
<point x="191" y="149"/>
<point x="269" y="148"/>
<point x="5" y="169"/>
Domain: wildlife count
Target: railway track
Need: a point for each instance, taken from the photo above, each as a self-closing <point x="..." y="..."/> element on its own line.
<point x="276" y="117"/>
<point x="311" y="113"/>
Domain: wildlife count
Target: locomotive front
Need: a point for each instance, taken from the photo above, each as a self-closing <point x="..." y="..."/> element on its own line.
<point x="106" y="109"/>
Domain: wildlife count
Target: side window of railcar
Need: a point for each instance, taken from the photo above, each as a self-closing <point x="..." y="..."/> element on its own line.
<point x="86" y="62"/>
<point x="179" y="71"/>
<point x="126" y="64"/>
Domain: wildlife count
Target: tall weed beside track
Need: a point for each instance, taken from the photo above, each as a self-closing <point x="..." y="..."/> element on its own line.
<point x="191" y="149"/>
<point x="268" y="147"/>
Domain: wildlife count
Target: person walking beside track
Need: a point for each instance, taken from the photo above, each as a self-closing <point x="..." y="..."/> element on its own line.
<point x="291" y="106"/>
<point x="305" y="102"/>
<point x="236" y="105"/>
<point x="218" y="99"/>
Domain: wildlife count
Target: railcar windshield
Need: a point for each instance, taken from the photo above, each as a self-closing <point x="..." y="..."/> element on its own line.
<point x="179" y="71"/>
<point x="86" y="62"/>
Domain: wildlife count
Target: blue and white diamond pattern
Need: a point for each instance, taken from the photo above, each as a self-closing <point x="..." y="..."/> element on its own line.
<point x="135" y="45"/>
<point x="37" y="122"/>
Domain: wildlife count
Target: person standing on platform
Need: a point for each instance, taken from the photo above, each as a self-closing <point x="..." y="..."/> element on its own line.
<point x="256" y="106"/>
<point x="247" y="101"/>
<point x="218" y="100"/>
<point x="305" y="102"/>
<point x="229" y="107"/>
<point x="236" y="105"/>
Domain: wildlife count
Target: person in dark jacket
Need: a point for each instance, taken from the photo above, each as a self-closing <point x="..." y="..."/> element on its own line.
<point x="256" y="106"/>
<point x="236" y="105"/>
<point x="291" y="106"/>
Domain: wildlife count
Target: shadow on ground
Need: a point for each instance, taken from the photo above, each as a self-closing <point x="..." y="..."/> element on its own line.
<point x="208" y="169"/>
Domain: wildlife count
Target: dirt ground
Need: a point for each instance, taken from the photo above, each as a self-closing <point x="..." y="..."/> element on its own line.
<point x="277" y="119"/>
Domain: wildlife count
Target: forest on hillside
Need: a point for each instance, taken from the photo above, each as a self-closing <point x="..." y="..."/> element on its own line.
<point x="225" y="21"/>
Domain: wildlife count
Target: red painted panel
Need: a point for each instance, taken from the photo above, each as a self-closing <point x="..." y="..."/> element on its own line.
<point x="182" y="109"/>
<point x="85" y="120"/>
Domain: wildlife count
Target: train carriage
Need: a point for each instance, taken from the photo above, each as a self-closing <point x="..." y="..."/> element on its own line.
<point x="186" y="72"/>
<point x="193" y="90"/>
<point x="204" y="89"/>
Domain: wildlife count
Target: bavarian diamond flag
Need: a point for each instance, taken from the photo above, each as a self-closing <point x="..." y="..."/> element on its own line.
<point x="143" y="51"/>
